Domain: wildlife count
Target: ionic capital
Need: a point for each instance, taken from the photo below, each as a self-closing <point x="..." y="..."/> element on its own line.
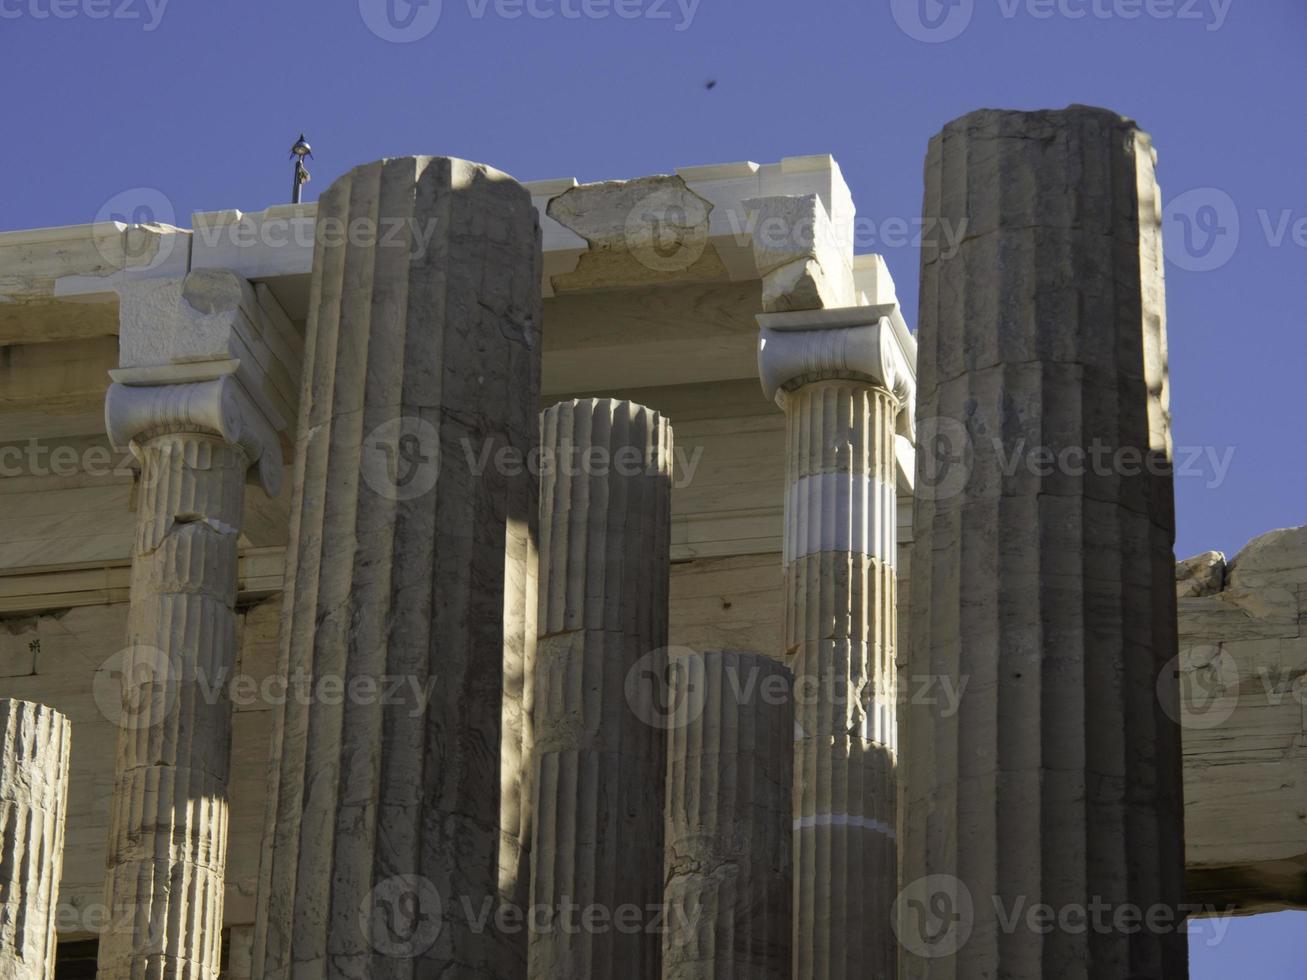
<point x="207" y="352"/>
<point x="134" y="414"/>
<point x="821" y="345"/>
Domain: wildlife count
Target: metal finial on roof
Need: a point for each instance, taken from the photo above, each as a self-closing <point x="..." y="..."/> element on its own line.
<point x="299" y="151"/>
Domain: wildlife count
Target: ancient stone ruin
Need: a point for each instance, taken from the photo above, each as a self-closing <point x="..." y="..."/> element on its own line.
<point x="463" y="578"/>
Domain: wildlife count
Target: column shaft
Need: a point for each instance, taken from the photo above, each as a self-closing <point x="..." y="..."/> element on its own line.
<point x="34" y="742"/>
<point x="1043" y="573"/>
<point x="730" y="743"/>
<point x="389" y="850"/>
<point x="840" y="521"/>
<point x="599" y="750"/>
<point x="168" y="826"/>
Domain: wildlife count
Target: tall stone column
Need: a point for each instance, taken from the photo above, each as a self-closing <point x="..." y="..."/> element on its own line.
<point x="34" y="741"/>
<point x="412" y="518"/>
<point x="730" y="747"/>
<point x="842" y="377"/>
<point x="600" y="748"/>
<point x="1043" y="574"/>
<point x="168" y="825"/>
<point x="206" y="368"/>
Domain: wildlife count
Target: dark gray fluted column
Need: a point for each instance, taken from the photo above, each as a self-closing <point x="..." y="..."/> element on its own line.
<point x="730" y="763"/>
<point x="388" y="840"/>
<point x="1043" y="574"/>
<point x="599" y="752"/>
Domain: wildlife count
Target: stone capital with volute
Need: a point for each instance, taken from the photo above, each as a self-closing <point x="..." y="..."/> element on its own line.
<point x="852" y="344"/>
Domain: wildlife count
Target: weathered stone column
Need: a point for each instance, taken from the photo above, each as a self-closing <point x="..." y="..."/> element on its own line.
<point x="195" y="440"/>
<point x="729" y="778"/>
<point x="1043" y="574"/>
<point x="34" y="742"/>
<point x="842" y="377"/>
<point x="600" y="750"/>
<point x="411" y="528"/>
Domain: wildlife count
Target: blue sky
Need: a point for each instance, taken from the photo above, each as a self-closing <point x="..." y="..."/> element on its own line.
<point x="200" y="101"/>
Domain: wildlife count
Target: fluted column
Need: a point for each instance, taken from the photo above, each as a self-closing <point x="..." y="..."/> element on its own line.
<point x="391" y="843"/>
<point x="1043" y="573"/>
<point x="842" y="388"/>
<point x="728" y="897"/>
<point x="34" y="741"/>
<point x="168" y="824"/>
<point x="599" y="740"/>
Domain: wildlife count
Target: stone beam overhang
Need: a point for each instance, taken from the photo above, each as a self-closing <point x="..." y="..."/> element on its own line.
<point x="58" y="283"/>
